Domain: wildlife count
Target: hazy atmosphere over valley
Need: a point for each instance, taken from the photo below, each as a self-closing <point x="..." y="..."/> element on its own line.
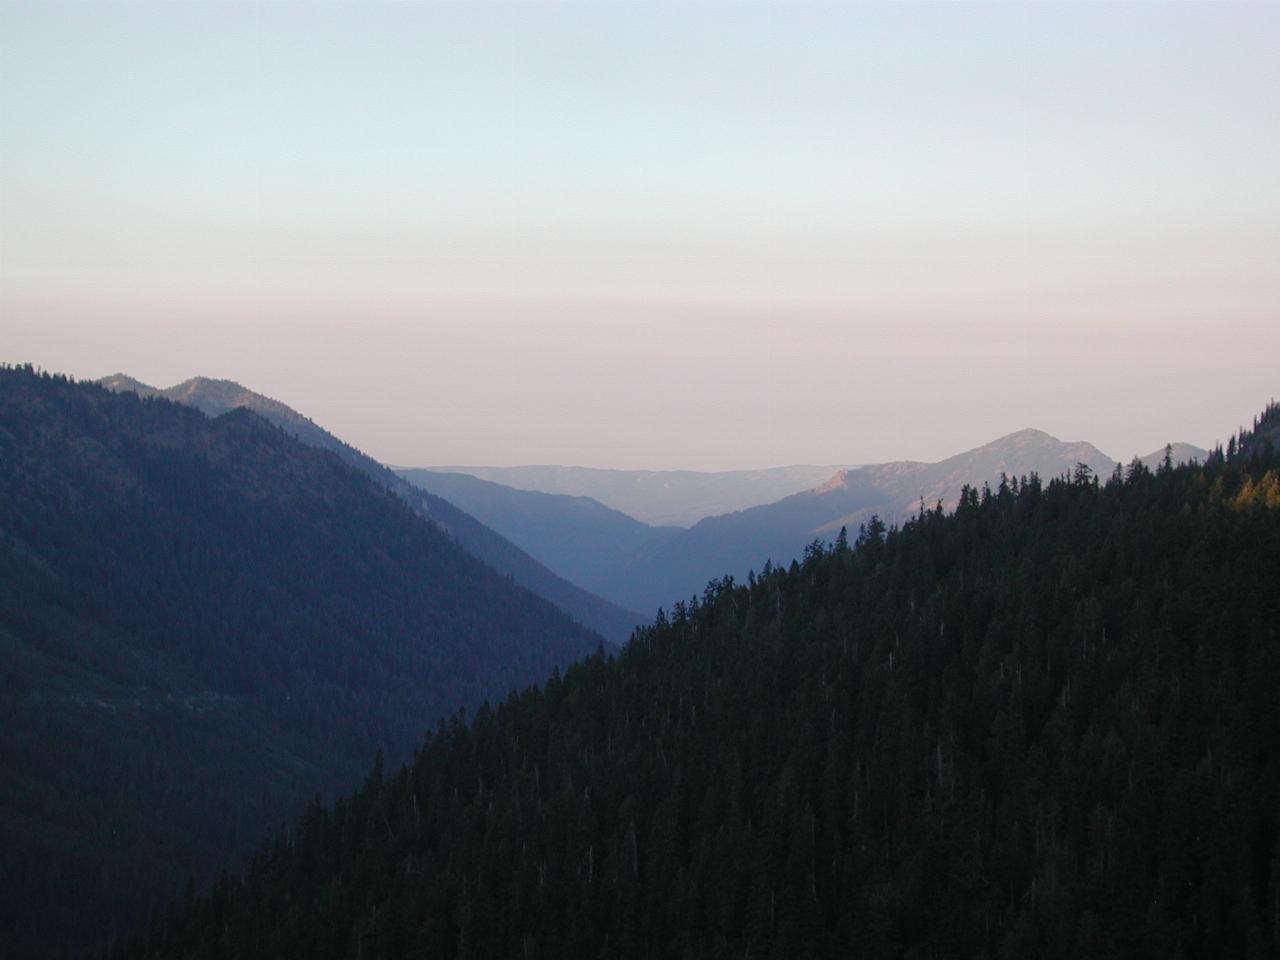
<point x="675" y="479"/>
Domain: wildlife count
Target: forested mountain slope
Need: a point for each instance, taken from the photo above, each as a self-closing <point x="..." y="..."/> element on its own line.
<point x="1044" y="726"/>
<point x="1262" y="436"/>
<point x="204" y="622"/>
<point x="215" y="397"/>
<point x="578" y="537"/>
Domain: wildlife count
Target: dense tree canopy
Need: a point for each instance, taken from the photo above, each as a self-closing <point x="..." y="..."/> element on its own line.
<point x="1045" y="725"/>
<point x="1259" y="439"/>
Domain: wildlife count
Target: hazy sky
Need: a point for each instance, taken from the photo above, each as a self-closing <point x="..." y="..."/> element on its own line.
<point x="701" y="235"/>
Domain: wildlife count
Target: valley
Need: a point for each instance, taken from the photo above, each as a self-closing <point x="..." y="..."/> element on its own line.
<point x="639" y="481"/>
<point x="644" y="567"/>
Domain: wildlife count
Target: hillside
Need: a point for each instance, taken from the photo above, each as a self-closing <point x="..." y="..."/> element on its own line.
<point x="1260" y="439"/>
<point x="738" y="542"/>
<point x="205" y="622"/>
<point x="904" y="485"/>
<point x="215" y="397"/>
<point x="644" y="568"/>
<point x="659" y="497"/>
<point x="1042" y="726"/>
<point x="577" y="537"/>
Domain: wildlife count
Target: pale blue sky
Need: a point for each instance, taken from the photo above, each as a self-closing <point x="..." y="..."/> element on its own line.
<point x="666" y="235"/>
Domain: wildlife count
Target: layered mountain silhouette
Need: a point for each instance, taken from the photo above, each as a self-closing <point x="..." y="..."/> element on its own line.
<point x="645" y="568"/>
<point x="204" y="622"/>
<point x="577" y="537"/>
<point x="659" y="497"/>
<point x="735" y="543"/>
<point x="215" y="397"/>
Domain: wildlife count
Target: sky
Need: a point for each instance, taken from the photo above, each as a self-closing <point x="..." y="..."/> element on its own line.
<point x="656" y="235"/>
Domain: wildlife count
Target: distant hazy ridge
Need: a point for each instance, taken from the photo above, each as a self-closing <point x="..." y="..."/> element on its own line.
<point x="644" y="567"/>
<point x="659" y="497"/>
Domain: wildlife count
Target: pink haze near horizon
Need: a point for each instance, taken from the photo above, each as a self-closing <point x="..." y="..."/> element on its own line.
<point x="702" y="236"/>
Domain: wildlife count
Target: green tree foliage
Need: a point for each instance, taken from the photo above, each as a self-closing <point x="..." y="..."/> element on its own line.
<point x="1043" y="726"/>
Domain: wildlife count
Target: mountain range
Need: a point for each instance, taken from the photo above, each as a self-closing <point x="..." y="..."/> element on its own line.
<point x="204" y="623"/>
<point x="600" y="563"/>
<point x="644" y="567"/>
<point x="660" y="498"/>
<point x="210" y="614"/>
<point x="215" y="397"/>
<point x="1040" y="725"/>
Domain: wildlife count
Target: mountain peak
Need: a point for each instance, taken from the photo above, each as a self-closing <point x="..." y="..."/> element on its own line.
<point x="274" y="617"/>
<point x="214" y="395"/>
<point x="119" y="382"/>
<point x="1024" y="436"/>
<point x="205" y="383"/>
<point x="215" y="398"/>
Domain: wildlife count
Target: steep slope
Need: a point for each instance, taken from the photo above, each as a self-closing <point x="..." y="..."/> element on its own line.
<point x="1258" y="439"/>
<point x="905" y="485"/>
<point x="659" y="497"/>
<point x="577" y="537"/>
<point x="1043" y="726"/>
<point x="204" y="622"/>
<point x="215" y="397"/>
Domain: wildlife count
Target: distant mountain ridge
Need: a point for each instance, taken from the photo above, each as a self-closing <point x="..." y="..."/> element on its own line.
<point x="600" y="562"/>
<point x="905" y="483"/>
<point x="658" y="497"/>
<point x="646" y="567"/>
<point x="738" y="542"/>
<point x="684" y="497"/>
<point x="215" y="397"/>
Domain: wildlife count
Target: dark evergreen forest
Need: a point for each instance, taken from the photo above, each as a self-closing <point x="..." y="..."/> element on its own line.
<point x="1046" y="725"/>
<point x="203" y="623"/>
